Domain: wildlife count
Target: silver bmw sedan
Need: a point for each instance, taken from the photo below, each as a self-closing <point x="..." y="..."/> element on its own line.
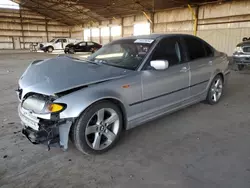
<point x="124" y="84"/>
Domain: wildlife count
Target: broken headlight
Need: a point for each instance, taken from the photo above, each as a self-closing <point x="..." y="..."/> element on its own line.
<point x="42" y="105"/>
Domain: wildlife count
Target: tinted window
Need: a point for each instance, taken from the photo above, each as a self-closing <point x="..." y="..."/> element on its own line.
<point x="90" y="43"/>
<point x="209" y="51"/>
<point x="169" y="49"/>
<point x="195" y="48"/>
<point x="82" y="44"/>
<point x="64" y="40"/>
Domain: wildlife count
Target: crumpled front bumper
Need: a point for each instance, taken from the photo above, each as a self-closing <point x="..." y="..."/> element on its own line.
<point x="44" y="131"/>
<point x="47" y="136"/>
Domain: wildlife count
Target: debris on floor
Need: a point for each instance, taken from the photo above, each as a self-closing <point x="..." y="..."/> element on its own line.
<point x="5" y="156"/>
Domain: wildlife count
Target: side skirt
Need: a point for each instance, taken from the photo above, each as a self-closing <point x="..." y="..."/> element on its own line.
<point x="167" y="110"/>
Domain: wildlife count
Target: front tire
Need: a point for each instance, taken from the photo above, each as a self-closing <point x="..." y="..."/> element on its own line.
<point x="71" y="51"/>
<point x="215" y="90"/>
<point x="98" y="128"/>
<point x="50" y="49"/>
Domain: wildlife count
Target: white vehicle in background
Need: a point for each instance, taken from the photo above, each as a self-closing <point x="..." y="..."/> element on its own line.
<point x="54" y="44"/>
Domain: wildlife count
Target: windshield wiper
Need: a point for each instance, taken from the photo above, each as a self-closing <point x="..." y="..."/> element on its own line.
<point x="93" y="62"/>
<point x="89" y="61"/>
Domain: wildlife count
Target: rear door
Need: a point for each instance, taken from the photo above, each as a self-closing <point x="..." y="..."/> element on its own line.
<point x="201" y="60"/>
<point x="90" y="46"/>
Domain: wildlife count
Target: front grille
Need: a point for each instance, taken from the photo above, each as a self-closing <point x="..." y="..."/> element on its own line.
<point x="246" y="49"/>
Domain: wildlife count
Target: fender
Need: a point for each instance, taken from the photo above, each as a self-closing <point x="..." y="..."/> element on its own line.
<point x="84" y="98"/>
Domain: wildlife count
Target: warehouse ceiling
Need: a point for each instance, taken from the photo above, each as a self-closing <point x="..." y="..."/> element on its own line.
<point x="75" y="12"/>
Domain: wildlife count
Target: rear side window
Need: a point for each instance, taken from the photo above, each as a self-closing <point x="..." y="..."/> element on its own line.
<point x="195" y="48"/>
<point x="90" y="43"/>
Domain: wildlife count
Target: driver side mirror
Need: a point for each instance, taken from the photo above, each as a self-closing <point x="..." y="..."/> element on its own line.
<point x="159" y="64"/>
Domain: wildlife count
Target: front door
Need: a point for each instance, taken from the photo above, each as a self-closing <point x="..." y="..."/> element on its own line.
<point x="164" y="89"/>
<point x="64" y="43"/>
<point x="58" y="44"/>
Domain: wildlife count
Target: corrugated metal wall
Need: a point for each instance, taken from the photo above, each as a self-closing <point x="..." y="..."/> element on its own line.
<point x="222" y="25"/>
<point x="18" y="29"/>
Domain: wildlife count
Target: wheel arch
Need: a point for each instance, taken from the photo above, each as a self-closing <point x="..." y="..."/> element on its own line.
<point x="50" y="46"/>
<point x="216" y="73"/>
<point x="222" y="76"/>
<point x="115" y="101"/>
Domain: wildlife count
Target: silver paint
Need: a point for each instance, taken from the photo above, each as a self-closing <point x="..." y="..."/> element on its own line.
<point x="178" y="86"/>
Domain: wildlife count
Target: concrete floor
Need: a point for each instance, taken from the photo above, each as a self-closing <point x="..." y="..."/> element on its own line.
<point x="202" y="146"/>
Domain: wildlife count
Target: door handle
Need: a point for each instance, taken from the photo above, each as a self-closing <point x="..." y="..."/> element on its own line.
<point x="184" y="69"/>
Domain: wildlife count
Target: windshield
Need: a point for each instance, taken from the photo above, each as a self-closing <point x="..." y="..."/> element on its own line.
<point x="127" y="54"/>
<point x="52" y="40"/>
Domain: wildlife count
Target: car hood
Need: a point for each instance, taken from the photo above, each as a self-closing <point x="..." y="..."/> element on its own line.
<point x="70" y="45"/>
<point x="46" y="43"/>
<point x="60" y="74"/>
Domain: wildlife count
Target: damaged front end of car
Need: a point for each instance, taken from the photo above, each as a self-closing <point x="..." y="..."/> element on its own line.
<point x="41" y="121"/>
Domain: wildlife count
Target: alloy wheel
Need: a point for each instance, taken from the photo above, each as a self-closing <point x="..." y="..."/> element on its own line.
<point x="102" y="129"/>
<point x="216" y="89"/>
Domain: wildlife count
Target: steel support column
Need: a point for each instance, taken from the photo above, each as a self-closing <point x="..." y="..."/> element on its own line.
<point x="21" y="22"/>
<point x="195" y="18"/>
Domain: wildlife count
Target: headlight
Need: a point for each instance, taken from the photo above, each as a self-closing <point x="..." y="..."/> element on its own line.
<point x="55" y="107"/>
<point x="238" y="49"/>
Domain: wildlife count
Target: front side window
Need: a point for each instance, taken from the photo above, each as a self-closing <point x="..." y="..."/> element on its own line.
<point x="195" y="48"/>
<point x="169" y="49"/>
<point x="127" y="54"/>
<point x="64" y="40"/>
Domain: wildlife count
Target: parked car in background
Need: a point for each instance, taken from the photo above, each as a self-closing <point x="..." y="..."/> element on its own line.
<point x="54" y="44"/>
<point x="241" y="55"/>
<point x="83" y="46"/>
<point x="126" y="83"/>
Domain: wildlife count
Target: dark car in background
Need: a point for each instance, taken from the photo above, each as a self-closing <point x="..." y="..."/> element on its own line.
<point x="83" y="46"/>
<point x="241" y="55"/>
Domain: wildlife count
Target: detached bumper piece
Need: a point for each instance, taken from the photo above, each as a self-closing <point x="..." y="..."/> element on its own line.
<point x="47" y="136"/>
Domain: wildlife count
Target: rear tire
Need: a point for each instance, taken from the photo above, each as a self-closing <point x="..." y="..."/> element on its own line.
<point x="240" y="67"/>
<point x="98" y="129"/>
<point x="215" y="90"/>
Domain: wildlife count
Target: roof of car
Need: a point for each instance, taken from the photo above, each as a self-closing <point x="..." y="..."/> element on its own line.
<point x="154" y="36"/>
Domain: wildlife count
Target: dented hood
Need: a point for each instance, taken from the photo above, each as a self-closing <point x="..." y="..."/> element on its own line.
<point x="63" y="73"/>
